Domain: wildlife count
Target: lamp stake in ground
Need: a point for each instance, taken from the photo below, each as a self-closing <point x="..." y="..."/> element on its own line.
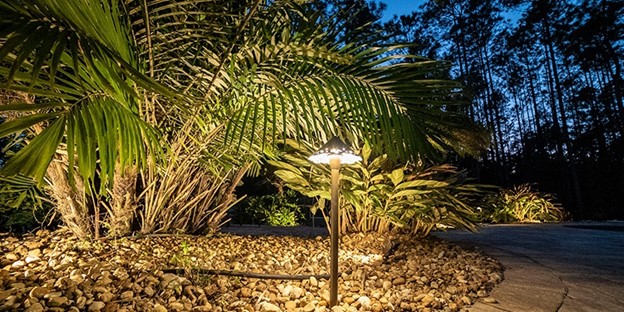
<point x="334" y="164"/>
<point x="334" y="153"/>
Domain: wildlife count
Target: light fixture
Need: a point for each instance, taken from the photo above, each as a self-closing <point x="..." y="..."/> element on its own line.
<point x="334" y="148"/>
<point x="334" y="152"/>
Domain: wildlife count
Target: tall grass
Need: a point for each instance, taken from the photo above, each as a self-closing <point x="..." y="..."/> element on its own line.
<point x="522" y="204"/>
<point x="187" y="194"/>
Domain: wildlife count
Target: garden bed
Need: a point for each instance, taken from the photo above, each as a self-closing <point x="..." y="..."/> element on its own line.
<point x="57" y="272"/>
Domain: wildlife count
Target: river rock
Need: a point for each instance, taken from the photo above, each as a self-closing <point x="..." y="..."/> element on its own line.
<point x="126" y="274"/>
<point x="159" y="308"/>
<point x="398" y="281"/>
<point x="386" y="285"/>
<point x="269" y="307"/>
<point x="106" y="297"/>
<point x="35" y="307"/>
<point x="364" y="301"/>
<point x="245" y="292"/>
<point x="57" y="301"/>
<point x="38" y="292"/>
<point x="127" y="295"/>
<point x="176" y="306"/>
<point x="313" y="281"/>
<point x="18" y="264"/>
<point x="31" y="259"/>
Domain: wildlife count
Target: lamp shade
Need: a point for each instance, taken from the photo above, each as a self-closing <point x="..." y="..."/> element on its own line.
<point x="334" y="148"/>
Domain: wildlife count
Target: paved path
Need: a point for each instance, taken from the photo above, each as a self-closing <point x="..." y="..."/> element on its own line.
<point x="553" y="267"/>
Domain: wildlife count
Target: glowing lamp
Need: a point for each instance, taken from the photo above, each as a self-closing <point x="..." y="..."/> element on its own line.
<point x="334" y="148"/>
<point x="334" y="153"/>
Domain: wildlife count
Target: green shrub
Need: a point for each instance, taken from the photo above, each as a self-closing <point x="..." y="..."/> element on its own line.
<point x="521" y="204"/>
<point x="377" y="195"/>
<point x="21" y="207"/>
<point x="275" y="209"/>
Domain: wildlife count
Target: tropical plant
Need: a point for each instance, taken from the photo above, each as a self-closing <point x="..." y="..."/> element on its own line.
<point x="274" y="209"/>
<point x="187" y="194"/>
<point x="118" y="86"/>
<point x="521" y="204"/>
<point x="379" y="195"/>
<point x="22" y="206"/>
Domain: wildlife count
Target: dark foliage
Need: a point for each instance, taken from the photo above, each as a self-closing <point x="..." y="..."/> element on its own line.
<point x="546" y="80"/>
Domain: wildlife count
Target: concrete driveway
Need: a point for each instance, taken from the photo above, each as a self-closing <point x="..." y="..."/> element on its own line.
<point x="553" y="267"/>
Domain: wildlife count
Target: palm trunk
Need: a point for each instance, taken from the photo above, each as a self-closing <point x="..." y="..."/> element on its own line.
<point x="70" y="200"/>
<point x="122" y="205"/>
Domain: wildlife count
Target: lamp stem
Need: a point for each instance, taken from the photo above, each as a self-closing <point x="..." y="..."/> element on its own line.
<point x="334" y="164"/>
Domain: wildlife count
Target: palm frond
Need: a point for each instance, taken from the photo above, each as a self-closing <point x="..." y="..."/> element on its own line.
<point x="99" y="133"/>
<point x="80" y="57"/>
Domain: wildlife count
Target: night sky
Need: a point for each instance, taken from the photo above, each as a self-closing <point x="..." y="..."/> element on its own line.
<point x="400" y="7"/>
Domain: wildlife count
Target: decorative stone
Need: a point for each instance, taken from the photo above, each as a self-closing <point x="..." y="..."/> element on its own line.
<point x="81" y="302"/>
<point x="290" y="305"/>
<point x="269" y="307"/>
<point x="5" y="294"/>
<point x="35" y="307"/>
<point x="53" y="295"/>
<point x="38" y="292"/>
<point x="57" y="301"/>
<point x="427" y="300"/>
<point x="313" y="281"/>
<point x="127" y="295"/>
<point x="106" y="297"/>
<point x="111" y="276"/>
<point x="18" y="264"/>
<point x="297" y="292"/>
<point x="149" y="291"/>
<point x="159" y="308"/>
<point x="176" y="306"/>
<point x="466" y="300"/>
<point x="386" y="285"/>
<point x="31" y="259"/>
<point x="364" y="301"/>
<point x="287" y="290"/>
<point x="490" y="300"/>
<point x="398" y="281"/>
<point x="245" y="292"/>
<point x="34" y="253"/>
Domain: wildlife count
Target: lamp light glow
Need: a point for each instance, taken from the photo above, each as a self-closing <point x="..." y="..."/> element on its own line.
<point x="332" y="149"/>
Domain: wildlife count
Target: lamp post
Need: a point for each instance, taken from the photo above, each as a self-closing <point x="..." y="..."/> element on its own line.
<point x="334" y="152"/>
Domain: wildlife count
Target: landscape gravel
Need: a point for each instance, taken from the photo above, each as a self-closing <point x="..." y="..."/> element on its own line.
<point x="54" y="271"/>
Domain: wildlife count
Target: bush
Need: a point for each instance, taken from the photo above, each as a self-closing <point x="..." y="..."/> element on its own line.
<point x="21" y="207"/>
<point x="521" y="204"/>
<point x="275" y="209"/>
<point x="377" y="195"/>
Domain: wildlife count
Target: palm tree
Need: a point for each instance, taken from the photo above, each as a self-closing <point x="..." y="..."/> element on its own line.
<point x="120" y="85"/>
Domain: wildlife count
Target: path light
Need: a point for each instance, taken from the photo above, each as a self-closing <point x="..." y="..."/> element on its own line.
<point x="335" y="152"/>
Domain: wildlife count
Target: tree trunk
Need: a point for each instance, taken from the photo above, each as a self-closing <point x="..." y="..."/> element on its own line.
<point x="536" y="112"/>
<point x="122" y="204"/>
<point x="570" y="163"/>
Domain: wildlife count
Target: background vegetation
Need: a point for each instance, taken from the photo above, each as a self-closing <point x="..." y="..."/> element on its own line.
<point x="280" y="209"/>
<point x="380" y="195"/>
<point x="520" y="204"/>
<point x="547" y="83"/>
